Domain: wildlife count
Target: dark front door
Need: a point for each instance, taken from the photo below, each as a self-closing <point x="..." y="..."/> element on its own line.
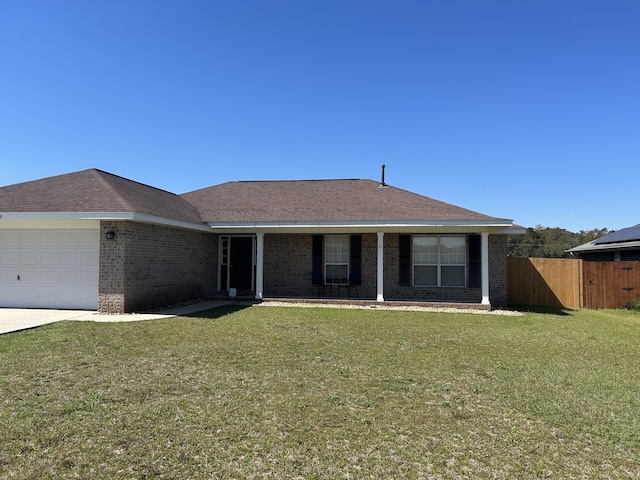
<point x="241" y="263"/>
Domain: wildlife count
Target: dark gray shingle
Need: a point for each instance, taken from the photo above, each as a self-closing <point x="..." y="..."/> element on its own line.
<point x="94" y="191"/>
<point x="321" y="201"/>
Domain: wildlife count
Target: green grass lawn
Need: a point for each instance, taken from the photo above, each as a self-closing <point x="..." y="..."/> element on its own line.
<point x="270" y="392"/>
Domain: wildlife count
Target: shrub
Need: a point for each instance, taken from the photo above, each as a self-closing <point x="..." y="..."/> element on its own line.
<point x="635" y="305"/>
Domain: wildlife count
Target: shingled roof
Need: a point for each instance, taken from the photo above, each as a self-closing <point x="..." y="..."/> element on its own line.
<point x="94" y="191"/>
<point x="291" y="202"/>
<point x="324" y="201"/>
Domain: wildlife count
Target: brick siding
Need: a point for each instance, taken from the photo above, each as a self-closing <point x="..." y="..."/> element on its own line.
<point x="498" y="271"/>
<point x="147" y="266"/>
<point x="288" y="265"/>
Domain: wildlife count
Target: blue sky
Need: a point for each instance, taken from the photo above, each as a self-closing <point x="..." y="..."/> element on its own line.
<point x="527" y="110"/>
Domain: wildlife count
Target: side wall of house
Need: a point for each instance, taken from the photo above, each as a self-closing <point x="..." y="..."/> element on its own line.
<point x="288" y="266"/>
<point x="498" y="271"/>
<point x="146" y="266"/>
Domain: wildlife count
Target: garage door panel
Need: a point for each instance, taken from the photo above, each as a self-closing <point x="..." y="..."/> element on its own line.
<point x="50" y="239"/>
<point x="70" y="258"/>
<point x="90" y="259"/>
<point x="86" y="298"/>
<point x="49" y="258"/>
<point x="70" y="240"/>
<point x="47" y="296"/>
<point x="7" y="278"/>
<point x="70" y="277"/>
<point x="49" y="277"/>
<point x="7" y="294"/>
<point x="9" y="239"/>
<point x="30" y="258"/>
<point x="28" y="297"/>
<point x="89" y="278"/>
<point x="49" y="268"/>
<point x="31" y="277"/>
<point x="9" y="257"/>
<point x="30" y="239"/>
<point x="70" y="296"/>
<point x="90" y="238"/>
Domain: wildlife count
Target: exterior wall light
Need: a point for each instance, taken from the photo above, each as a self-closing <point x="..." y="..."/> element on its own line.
<point x="110" y="235"/>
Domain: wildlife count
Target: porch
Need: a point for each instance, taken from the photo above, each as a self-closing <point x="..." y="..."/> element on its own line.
<point x="249" y="297"/>
<point x="297" y="266"/>
<point x="373" y="304"/>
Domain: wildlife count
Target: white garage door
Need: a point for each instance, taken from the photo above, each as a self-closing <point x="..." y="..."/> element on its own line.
<point x="49" y="268"/>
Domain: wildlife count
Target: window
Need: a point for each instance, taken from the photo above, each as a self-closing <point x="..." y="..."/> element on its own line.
<point x="439" y="261"/>
<point x="223" y="269"/>
<point x="336" y="259"/>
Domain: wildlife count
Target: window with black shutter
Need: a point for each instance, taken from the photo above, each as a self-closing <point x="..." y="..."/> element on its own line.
<point x="475" y="256"/>
<point x="355" y="254"/>
<point x="405" y="260"/>
<point x="316" y="259"/>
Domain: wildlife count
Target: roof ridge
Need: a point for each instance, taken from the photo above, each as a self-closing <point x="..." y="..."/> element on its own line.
<point x="300" y="180"/>
<point x="146" y="185"/>
<point x="100" y="176"/>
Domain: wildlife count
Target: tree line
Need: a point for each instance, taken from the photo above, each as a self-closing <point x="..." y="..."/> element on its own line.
<point x="550" y="242"/>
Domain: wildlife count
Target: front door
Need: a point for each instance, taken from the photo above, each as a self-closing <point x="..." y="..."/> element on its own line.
<point x="241" y="263"/>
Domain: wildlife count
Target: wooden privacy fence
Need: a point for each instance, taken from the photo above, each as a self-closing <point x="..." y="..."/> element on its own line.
<point x="553" y="282"/>
<point x="611" y="284"/>
<point x="572" y="283"/>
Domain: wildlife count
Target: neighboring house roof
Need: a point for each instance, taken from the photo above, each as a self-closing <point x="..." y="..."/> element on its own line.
<point x="95" y="193"/>
<point x="327" y="202"/>
<point x="623" y="239"/>
<point x="629" y="234"/>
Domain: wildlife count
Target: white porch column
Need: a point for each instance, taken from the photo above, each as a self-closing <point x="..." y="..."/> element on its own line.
<point x="259" y="264"/>
<point x="380" y="297"/>
<point x="484" y="265"/>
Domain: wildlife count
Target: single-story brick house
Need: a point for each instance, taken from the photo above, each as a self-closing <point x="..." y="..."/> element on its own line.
<point x="94" y="240"/>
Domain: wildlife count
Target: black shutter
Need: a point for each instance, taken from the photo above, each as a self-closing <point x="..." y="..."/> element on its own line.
<point x="405" y="260"/>
<point x="475" y="256"/>
<point x="316" y="254"/>
<point x="355" y="252"/>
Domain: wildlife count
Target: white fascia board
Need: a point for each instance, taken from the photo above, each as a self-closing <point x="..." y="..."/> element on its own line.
<point x="494" y="226"/>
<point x="598" y="247"/>
<point x="143" y="217"/>
<point x="66" y="216"/>
<point x="130" y="216"/>
<point x="513" y="231"/>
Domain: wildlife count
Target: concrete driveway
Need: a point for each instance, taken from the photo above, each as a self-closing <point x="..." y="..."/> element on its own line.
<point x="15" y="319"/>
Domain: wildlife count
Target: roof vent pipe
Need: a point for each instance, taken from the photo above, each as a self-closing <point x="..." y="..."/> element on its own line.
<point x="382" y="184"/>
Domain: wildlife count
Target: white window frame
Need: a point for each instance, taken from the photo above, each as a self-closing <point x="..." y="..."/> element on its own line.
<point x="330" y="260"/>
<point x="439" y="263"/>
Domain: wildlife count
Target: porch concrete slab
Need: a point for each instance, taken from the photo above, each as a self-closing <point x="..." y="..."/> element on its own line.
<point x="15" y="319"/>
<point x="408" y="305"/>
